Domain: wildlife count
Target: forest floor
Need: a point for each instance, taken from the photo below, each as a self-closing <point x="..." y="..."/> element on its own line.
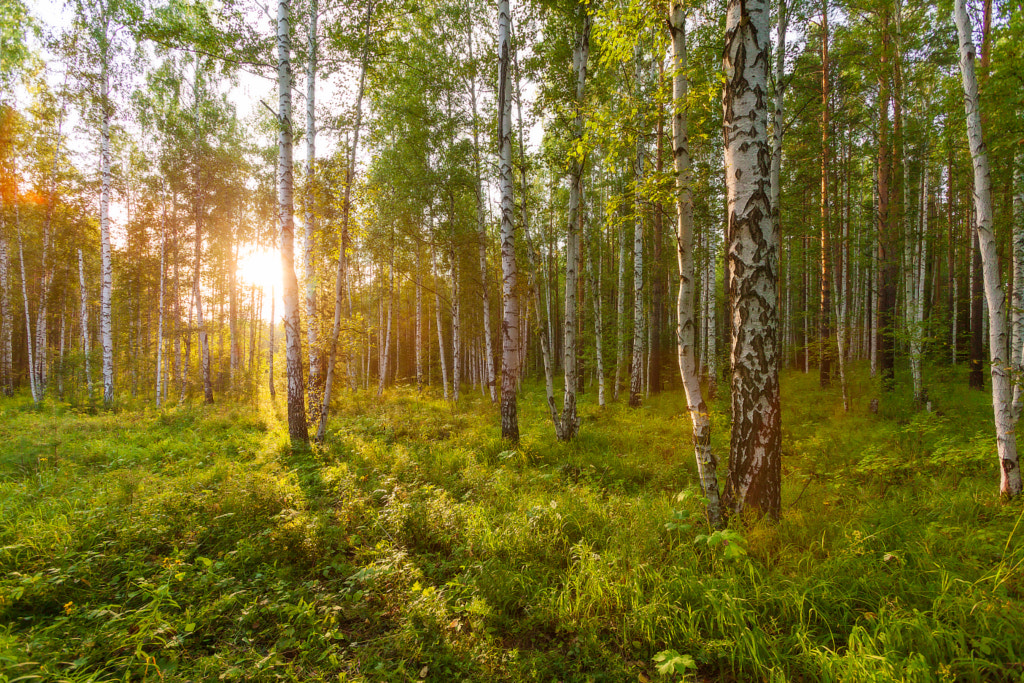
<point x="192" y="544"/>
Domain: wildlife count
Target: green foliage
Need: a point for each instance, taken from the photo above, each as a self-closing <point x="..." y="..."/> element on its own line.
<point x="193" y="544"/>
<point x="671" y="662"/>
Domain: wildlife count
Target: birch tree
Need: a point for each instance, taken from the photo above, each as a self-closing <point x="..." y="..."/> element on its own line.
<point x="340" y="285"/>
<point x="1006" y="440"/>
<point x="700" y="417"/>
<point x="312" y="340"/>
<point x="567" y="427"/>
<point x="297" y="428"/>
<point x="754" y="481"/>
<point x="509" y="285"/>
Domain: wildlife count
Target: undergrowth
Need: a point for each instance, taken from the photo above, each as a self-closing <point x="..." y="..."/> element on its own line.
<point x="194" y="544"/>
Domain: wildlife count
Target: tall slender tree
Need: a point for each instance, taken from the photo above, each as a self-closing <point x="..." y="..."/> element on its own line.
<point x="754" y="481"/>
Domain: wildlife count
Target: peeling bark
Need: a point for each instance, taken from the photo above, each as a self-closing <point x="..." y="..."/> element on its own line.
<point x="754" y="481"/>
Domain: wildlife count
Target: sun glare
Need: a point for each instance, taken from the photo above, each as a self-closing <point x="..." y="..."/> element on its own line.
<point x="261" y="267"/>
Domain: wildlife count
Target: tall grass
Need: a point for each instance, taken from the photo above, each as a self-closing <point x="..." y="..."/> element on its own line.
<point x="194" y="544"/>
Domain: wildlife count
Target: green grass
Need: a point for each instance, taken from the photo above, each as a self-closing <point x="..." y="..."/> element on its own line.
<point x="193" y="544"/>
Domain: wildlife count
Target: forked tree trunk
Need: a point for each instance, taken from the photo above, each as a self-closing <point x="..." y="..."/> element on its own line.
<point x="297" y="427"/>
<point x="509" y="297"/>
<point x="1006" y="440"/>
<point x="754" y="481"/>
<point x="32" y="379"/>
<point x="685" y="324"/>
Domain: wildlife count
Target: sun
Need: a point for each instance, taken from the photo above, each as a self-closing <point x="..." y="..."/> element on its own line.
<point x="261" y="267"/>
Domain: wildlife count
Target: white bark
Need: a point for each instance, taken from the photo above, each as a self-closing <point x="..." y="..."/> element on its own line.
<point x="160" y="310"/>
<point x="918" y="256"/>
<point x="341" y="284"/>
<point x="6" y="314"/>
<point x="270" y="342"/>
<point x="297" y="427"/>
<point x="456" y="328"/>
<point x="32" y="380"/>
<point x="1017" y="352"/>
<point x="419" y="321"/>
<point x="755" y="455"/>
<point x="385" y="355"/>
<point x="485" y="291"/>
<point x="620" y="315"/>
<point x="636" y="367"/>
<point x="568" y="426"/>
<point x="84" y="321"/>
<point x="510" y="365"/>
<point x="310" y="215"/>
<point x="1006" y="440"/>
<point x="595" y="297"/>
<point x="685" y="319"/>
<point x="441" y="352"/>
<point x="106" y="268"/>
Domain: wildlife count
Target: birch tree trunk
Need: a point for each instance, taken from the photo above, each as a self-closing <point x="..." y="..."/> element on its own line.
<point x="385" y="355"/>
<point x="106" y="268"/>
<point x="1017" y="352"/>
<point x="595" y="297"/>
<point x="419" y="321"/>
<point x="777" y="120"/>
<point x="568" y="426"/>
<point x="1006" y="440"/>
<point x="915" y="277"/>
<point x="636" y="367"/>
<point x="270" y="343"/>
<point x="509" y="297"/>
<point x="620" y="315"/>
<point x="825" y="316"/>
<point x="456" y="328"/>
<point x="340" y="286"/>
<point x="442" y="355"/>
<point x="297" y="428"/>
<point x="308" y="268"/>
<point x="6" y="314"/>
<point x="197" y="292"/>
<point x="84" y="322"/>
<point x="32" y="379"/>
<point x="481" y="230"/>
<point x="754" y="481"/>
<point x="685" y="319"/>
<point x="160" y="310"/>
